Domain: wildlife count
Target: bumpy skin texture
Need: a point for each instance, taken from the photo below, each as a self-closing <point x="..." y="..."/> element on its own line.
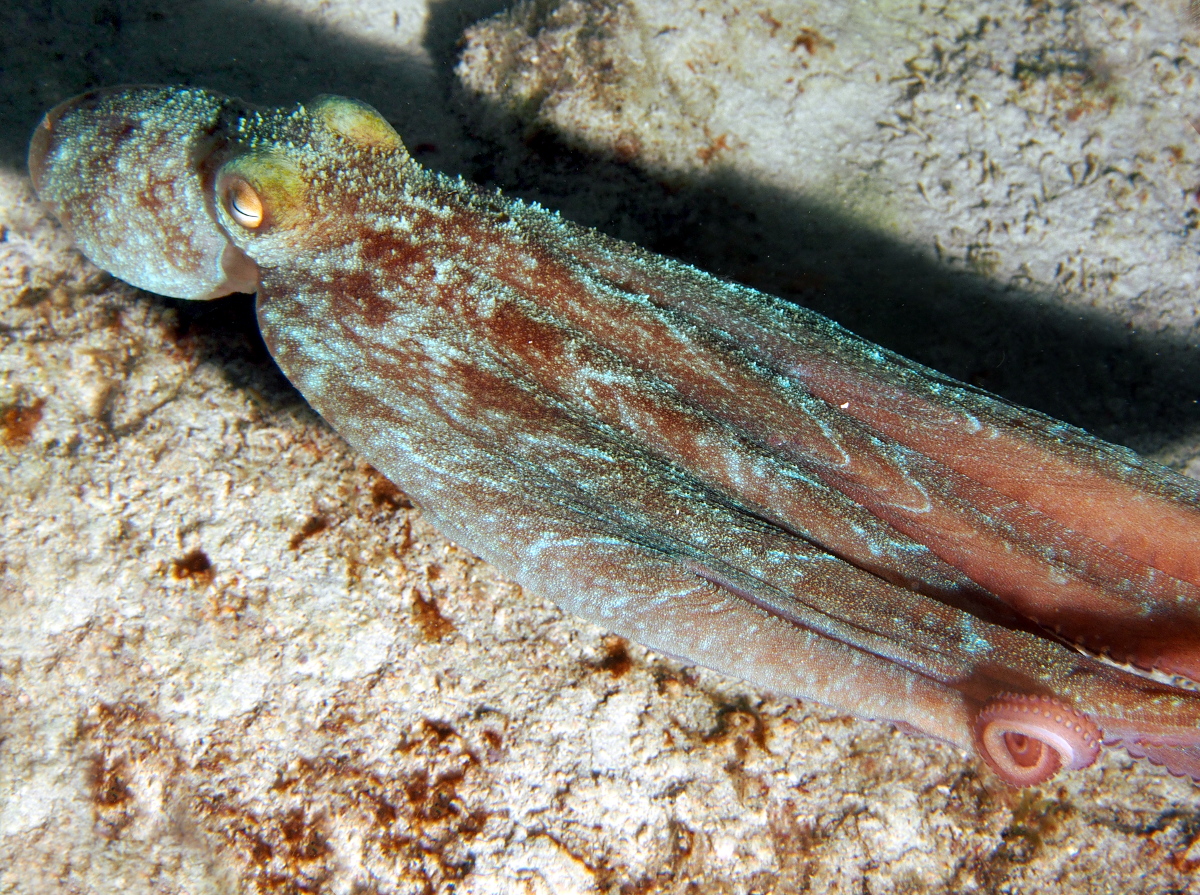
<point x="700" y="467"/>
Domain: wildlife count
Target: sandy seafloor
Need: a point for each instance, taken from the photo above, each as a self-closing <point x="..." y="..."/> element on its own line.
<point x="233" y="659"/>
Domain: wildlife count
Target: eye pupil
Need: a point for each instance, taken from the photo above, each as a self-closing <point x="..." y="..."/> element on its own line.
<point x="245" y="205"/>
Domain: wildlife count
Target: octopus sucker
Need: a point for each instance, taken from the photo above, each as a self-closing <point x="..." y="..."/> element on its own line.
<point x="698" y="466"/>
<point x="1026" y="739"/>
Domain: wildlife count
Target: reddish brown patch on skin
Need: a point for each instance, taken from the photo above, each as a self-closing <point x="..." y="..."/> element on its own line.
<point x="433" y="625"/>
<point x="489" y="391"/>
<point x="698" y="370"/>
<point x="17" y="422"/>
<point x="312" y="527"/>
<point x="397" y="255"/>
<point x="149" y="197"/>
<point x="514" y="328"/>
<point x="560" y="290"/>
<point x="193" y="566"/>
<point x="358" y="294"/>
<point x="388" y="257"/>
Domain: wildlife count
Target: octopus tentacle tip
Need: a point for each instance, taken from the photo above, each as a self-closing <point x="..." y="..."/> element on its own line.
<point x="1028" y="739"/>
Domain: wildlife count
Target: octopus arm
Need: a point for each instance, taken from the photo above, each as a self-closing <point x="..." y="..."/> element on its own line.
<point x="537" y="485"/>
<point x="1077" y="535"/>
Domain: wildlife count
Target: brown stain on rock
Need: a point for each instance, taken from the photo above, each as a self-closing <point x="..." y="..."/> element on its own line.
<point x="738" y="730"/>
<point x="1036" y="818"/>
<point x="813" y="41"/>
<point x="739" y="725"/>
<point x="284" y="853"/>
<point x="17" y="422"/>
<point x="112" y="799"/>
<point x="302" y="837"/>
<point x="616" y="660"/>
<point x="429" y="619"/>
<point x="125" y="753"/>
<point x="312" y="527"/>
<point x="193" y="566"/>
<point x="494" y="740"/>
<point x="716" y="146"/>
<point x="387" y="497"/>
<point x="413" y="821"/>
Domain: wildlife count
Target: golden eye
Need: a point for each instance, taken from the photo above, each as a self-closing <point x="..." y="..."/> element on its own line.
<point x="262" y="190"/>
<point x="245" y="205"/>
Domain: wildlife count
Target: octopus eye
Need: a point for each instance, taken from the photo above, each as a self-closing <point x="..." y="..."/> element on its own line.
<point x="263" y="189"/>
<point x="245" y="205"/>
<point x="1026" y="739"/>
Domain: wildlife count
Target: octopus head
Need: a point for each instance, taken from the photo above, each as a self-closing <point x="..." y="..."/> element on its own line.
<point x="128" y="172"/>
<point x="190" y="193"/>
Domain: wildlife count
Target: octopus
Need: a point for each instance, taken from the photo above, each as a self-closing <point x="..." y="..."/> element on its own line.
<point x="707" y="470"/>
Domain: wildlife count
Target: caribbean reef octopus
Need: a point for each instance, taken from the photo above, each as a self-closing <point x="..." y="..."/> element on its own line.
<point x="707" y="470"/>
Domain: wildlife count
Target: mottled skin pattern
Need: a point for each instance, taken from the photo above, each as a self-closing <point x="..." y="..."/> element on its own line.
<point x="702" y="468"/>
